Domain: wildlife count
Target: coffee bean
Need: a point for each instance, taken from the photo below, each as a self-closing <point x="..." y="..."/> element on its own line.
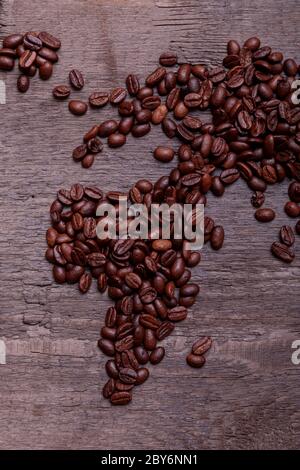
<point x="164" y="154"/>
<point x="132" y="84"/>
<point x="116" y="140"/>
<point x="177" y="314"/>
<point x="257" y="199"/>
<point x="294" y="191"/>
<point x="13" y="41"/>
<point x="23" y="83"/>
<point x="76" y="79"/>
<point x="142" y="375"/>
<point x="157" y="355"/>
<point x="292" y="209"/>
<point x="49" y="41"/>
<point x="155" y="77"/>
<point x="265" y="215"/>
<point x="85" y="283"/>
<point x="201" y="346"/>
<point x="98" y="99"/>
<point x="48" y="54"/>
<point x="140" y="130"/>
<point x="195" y="361"/>
<point x="46" y="70"/>
<point x="282" y="252"/>
<point x="217" y="237"/>
<point x="297" y="227"/>
<point x="61" y="92"/>
<point x="77" y="107"/>
<point x="120" y="398"/>
<point x="32" y="42"/>
<point x="26" y="60"/>
<point x="168" y="59"/>
<point x="117" y="95"/>
<point x="287" y="235"/>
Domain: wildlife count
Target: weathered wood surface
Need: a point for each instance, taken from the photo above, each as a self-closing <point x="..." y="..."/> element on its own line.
<point x="248" y="395"/>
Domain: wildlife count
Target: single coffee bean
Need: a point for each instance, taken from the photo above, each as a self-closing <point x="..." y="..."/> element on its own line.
<point x="155" y="77"/>
<point x="132" y="84"/>
<point x="292" y="209"/>
<point x="98" y="99"/>
<point x="195" y="361"/>
<point x="168" y="59"/>
<point x="257" y="199"/>
<point x="265" y="215"/>
<point x="117" y="95"/>
<point x="282" y="252"/>
<point x="107" y="128"/>
<point x="32" y="42"/>
<point x="46" y="70"/>
<point x="287" y="235"/>
<point x="49" y="41"/>
<point x="297" y="227"/>
<point x="77" y="107"/>
<point x="61" y="92"/>
<point x="164" y="154"/>
<point x="48" y="54"/>
<point x="140" y="130"/>
<point x="85" y="283"/>
<point x="142" y="375"/>
<point x="177" y="314"/>
<point x="23" y="83"/>
<point x="120" y="398"/>
<point x="13" y="41"/>
<point x="116" y="140"/>
<point x="26" y="60"/>
<point x="76" y="79"/>
<point x="294" y="191"/>
<point x="201" y="346"/>
<point x="157" y="355"/>
<point x="217" y="237"/>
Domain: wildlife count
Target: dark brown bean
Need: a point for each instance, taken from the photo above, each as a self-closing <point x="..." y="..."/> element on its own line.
<point x="76" y="79"/>
<point x="265" y="215"/>
<point x="77" y="107"/>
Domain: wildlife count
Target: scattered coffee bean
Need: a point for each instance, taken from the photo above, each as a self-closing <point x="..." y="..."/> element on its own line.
<point x="77" y="107"/>
<point x="265" y="215"/>
<point x="61" y="92"/>
<point x="76" y="79"/>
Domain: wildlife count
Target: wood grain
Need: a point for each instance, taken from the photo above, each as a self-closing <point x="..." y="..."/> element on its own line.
<point x="248" y="394"/>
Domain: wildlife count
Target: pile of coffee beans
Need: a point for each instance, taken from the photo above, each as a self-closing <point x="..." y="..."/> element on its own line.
<point x="33" y="52"/>
<point x="196" y="357"/>
<point x="254" y="134"/>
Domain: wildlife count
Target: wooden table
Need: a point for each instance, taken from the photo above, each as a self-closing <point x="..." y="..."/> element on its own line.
<point x="248" y="394"/>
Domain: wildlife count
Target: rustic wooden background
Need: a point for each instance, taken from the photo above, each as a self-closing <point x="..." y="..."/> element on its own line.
<point x="248" y="395"/>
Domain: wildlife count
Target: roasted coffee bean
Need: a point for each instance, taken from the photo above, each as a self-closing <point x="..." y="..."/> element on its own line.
<point x="151" y="102"/>
<point x="155" y="77"/>
<point x="23" y="83"/>
<point x="77" y="107"/>
<point x="107" y="128"/>
<point x="164" y="154"/>
<point x="201" y="346"/>
<point x="120" y="398"/>
<point x="133" y="85"/>
<point x="48" y="54"/>
<point x="282" y="252"/>
<point x="142" y="376"/>
<point x="46" y="70"/>
<point x="257" y="199"/>
<point x="177" y="314"/>
<point x="117" y="95"/>
<point x="167" y="59"/>
<point x="26" y="60"/>
<point x="195" y="361"/>
<point x="61" y="92"/>
<point x="98" y="99"/>
<point x="287" y="235"/>
<point x="32" y="42"/>
<point x="164" y="330"/>
<point x="13" y="41"/>
<point x="229" y="176"/>
<point x="85" y="283"/>
<point x="294" y="191"/>
<point x="127" y="376"/>
<point x="49" y="41"/>
<point x="297" y="227"/>
<point x="265" y="215"/>
<point x="76" y="79"/>
<point x="157" y="355"/>
<point x="217" y="237"/>
<point x="140" y="130"/>
<point x="292" y="209"/>
<point x="109" y="388"/>
<point x="116" y="140"/>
